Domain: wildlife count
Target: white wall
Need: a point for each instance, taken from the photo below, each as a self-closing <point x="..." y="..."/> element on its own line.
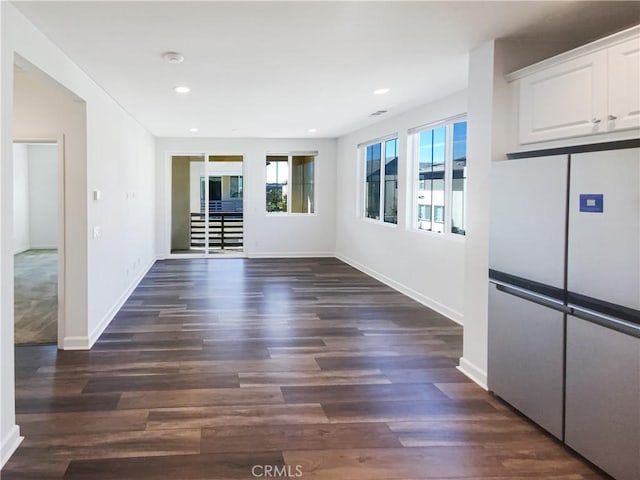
<point x="264" y="235"/>
<point x="427" y="266"/>
<point x="121" y="165"/>
<point x="112" y="153"/>
<point x="43" y="196"/>
<point x="21" y="225"/>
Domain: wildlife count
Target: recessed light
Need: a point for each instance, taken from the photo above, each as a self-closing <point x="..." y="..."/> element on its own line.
<point x="181" y="89"/>
<point x="173" y="57"/>
<point x="381" y="91"/>
<point x="194" y="129"/>
<point x="312" y="130"/>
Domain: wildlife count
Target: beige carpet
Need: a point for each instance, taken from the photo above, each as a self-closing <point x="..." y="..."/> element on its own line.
<point x="36" y="297"/>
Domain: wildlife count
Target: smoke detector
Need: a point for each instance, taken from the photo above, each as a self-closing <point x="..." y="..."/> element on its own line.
<point x="173" y="57"/>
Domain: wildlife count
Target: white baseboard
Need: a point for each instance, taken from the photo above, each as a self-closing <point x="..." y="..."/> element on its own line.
<point x="85" y="343"/>
<point x="474" y="373"/>
<point x="408" y="291"/>
<point x="291" y="254"/>
<point x="25" y="248"/>
<point x="20" y="249"/>
<point x="75" y="343"/>
<point x="9" y="444"/>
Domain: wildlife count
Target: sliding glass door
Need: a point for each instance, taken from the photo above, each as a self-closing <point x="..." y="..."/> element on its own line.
<point x="207" y="211"/>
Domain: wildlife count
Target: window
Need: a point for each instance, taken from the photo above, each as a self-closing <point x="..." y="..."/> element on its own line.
<point x="290" y="186"/>
<point x="302" y="176"/>
<point x="235" y="186"/>
<point x="381" y="180"/>
<point x="440" y="159"/>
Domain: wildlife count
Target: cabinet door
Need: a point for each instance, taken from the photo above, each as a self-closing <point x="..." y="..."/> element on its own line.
<point x="565" y="100"/>
<point x="602" y="420"/>
<point x="624" y="85"/>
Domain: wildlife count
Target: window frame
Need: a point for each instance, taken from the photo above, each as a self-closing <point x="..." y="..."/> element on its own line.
<point x="362" y="162"/>
<point x="290" y="155"/>
<point x="414" y="180"/>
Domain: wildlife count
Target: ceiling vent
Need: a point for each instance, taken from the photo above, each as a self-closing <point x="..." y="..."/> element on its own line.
<point x="173" y="57"/>
<point x="378" y="113"/>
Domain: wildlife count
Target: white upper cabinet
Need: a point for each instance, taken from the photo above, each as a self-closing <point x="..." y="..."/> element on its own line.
<point x="592" y="90"/>
<point x="566" y="100"/>
<point x="624" y="85"/>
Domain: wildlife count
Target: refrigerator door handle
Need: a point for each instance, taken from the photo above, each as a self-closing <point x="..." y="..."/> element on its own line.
<point x="532" y="297"/>
<point x="606" y="321"/>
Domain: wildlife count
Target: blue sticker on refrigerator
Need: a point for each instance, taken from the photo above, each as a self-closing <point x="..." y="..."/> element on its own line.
<point x="592" y="202"/>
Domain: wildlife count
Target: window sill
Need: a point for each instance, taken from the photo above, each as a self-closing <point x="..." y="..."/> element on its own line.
<point x="287" y="214"/>
<point x="379" y="222"/>
<point x="444" y="236"/>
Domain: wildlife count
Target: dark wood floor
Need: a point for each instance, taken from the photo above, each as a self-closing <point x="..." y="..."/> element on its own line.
<point x="215" y="367"/>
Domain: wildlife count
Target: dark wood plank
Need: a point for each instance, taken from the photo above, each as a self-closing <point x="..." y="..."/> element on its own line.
<point x="201" y="417"/>
<point x="408" y="410"/>
<point x="194" y="467"/>
<point x="361" y="393"/>
<point x="161" y="382"/>
<point x="424" y="375"/>
<point x="398" y="362"/>
<point x="335" y="377"/>
<point x="67" y="403"/>
<point x="82" y="422"/>
<point x="121" y="444"/>
<point x="297" y="437"/>
<point x="200" y="398"/>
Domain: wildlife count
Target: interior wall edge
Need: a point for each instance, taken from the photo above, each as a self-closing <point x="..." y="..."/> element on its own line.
<point x="10" y="444"/>
<point x="473" y="372"/>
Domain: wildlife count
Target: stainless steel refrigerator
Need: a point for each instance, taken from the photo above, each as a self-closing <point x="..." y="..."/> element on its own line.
<point x="564" y="297"/>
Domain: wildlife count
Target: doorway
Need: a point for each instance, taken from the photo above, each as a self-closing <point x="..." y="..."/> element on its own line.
<point x="37" y="218"/>
<point x="207" y="204"/>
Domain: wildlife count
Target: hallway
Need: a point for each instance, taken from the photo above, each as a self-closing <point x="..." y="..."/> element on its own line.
<point x="222" y="369"/>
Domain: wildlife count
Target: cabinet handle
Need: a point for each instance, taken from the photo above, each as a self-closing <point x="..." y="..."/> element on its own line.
<point x="612" y="117"/>
<point x="595" y="120"/>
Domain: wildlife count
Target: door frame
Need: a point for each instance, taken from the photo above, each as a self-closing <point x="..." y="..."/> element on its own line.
<point x="58" y="140"/>
<point x="168" y="200"/>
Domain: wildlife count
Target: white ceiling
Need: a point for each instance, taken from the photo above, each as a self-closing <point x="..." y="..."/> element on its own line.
<point x="277" y="69"/>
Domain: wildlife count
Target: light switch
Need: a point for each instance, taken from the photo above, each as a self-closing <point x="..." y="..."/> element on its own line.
<point x="97" y="194"/>
<point x="96" y="232"/>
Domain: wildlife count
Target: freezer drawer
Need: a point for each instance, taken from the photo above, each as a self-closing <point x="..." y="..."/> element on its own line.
<point x="525" y="357"/>
<point x="603" y="397"/>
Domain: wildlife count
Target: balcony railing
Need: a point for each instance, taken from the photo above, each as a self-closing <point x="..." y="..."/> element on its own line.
<point x="230" y="205"/>
<point x="225" y="230"/>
